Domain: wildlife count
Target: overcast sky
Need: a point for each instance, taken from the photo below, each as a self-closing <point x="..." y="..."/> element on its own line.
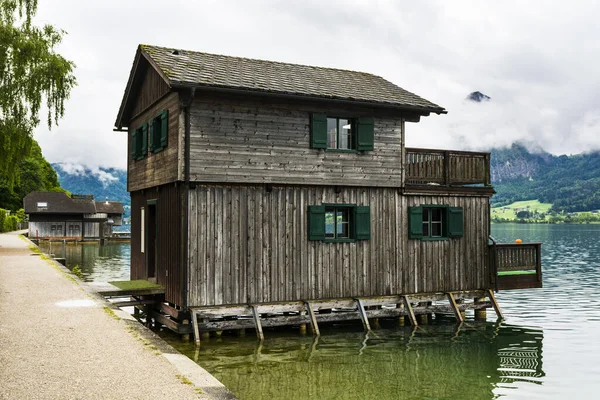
<point x="537" y="60"/>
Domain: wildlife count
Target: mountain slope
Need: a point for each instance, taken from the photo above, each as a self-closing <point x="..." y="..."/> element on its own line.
<point x="570" y="183"/>
<point x="103" y="183"/>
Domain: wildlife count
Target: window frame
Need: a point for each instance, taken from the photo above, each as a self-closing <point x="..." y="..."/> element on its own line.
<point x="158" y="132"/>
<point x="352" y="139"/>
<point x="452" y="221"/>
<point x="443" y="222"/>
<point x="351" y="209"/>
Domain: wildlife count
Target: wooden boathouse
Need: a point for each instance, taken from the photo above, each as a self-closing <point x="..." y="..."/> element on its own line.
<point x="77" y="217"/>
<point x="281" y="192"/>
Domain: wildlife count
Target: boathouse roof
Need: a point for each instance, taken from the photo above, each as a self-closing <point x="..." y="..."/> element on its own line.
<point x="184" y="68"/>
<point x="109" y="207"/>
<point x="62" y="203"/>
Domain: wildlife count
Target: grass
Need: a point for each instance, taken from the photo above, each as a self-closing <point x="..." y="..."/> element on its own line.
<point x="510" y="211"/>
<point x="110" y="312"/>
<point x="138" y="284"/>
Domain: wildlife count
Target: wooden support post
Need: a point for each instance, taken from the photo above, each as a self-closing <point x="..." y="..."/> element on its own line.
<point x="313" y="319"/>
<point x="457" y="313"/>
<point x="481" y="314"/>
<point x="185" y="337"/>
<point x="402" y="318"/>
<point x="257" y="324"/>
<point x="195" y="326"/>
<point x="363" y="314"/>
<point x="302" y="326"/>
<point x="409" y="311"/>
<point x="495" y="304"/>
<point x="241" y="332"/>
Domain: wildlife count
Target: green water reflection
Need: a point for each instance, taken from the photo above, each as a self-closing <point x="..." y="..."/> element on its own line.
<point x="440" y="361"/>
<point x="99" y="263"/>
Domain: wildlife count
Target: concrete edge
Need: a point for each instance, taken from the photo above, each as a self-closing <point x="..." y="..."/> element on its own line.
<point x="200" y="378"/>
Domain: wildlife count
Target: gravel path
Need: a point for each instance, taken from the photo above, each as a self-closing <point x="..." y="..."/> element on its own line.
<point x="57" y="341"/>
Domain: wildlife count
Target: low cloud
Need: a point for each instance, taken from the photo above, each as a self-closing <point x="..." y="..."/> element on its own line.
<point x="104" y="177"/>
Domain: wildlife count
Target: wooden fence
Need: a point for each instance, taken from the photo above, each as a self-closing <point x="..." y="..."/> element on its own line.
<point x="447" y="167"/>
<point x="516" y="266"/>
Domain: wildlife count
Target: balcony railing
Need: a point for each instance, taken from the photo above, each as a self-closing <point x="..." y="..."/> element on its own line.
<point x="447" y="167"/>
<point x="516" y="266"/>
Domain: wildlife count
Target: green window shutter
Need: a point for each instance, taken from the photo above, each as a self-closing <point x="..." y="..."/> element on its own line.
<point x="362" y="223"/>
<point x="134" y="144"/>
<point x="164" y="128"/>
<point x="316" y="222"/>
<point x="366" y="134"/>
<point x="415" y="222"/>
<point x="144" y="150"/>
<point x="318" y="131"/>
<point x="455" y="222"/>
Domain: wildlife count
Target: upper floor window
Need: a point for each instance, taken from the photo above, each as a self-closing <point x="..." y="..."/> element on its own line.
<point x="341" y="133"/>
<point x="139" y="142"/>
<point x="159" y="132"/>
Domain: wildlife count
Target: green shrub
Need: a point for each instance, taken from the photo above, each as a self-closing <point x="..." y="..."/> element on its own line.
<point x="2" y="219"/>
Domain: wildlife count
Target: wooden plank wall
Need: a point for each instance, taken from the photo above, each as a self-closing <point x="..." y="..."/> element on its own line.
<point x="151" y="88"/>
<point x="246" y="140"/>
<point x="170" y="269"/>
<point x="160" y="168"/>
<point x="250" y="245"/>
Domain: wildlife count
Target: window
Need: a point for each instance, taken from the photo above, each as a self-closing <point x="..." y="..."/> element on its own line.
<point x="339" y="222"/>
<point x="342" y="133"/>
<point x="435" y="222"/>
<point x="159" y="132"/>
<point x="139" y="142"/>
<point x="42" y="204"/>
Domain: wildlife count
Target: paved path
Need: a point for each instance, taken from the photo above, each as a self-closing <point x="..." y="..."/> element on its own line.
<point x="58" y="341"/>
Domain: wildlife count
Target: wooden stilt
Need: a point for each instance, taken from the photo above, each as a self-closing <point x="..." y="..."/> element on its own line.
<point x="457" y="313"/>
<point x="186" y="336"/>
<point x="409" y="311"/>
<point x="195" y="326"/>
<point x="480" y="315"/>
<point x="313" y="319"/>
<point x="303" y="326"/>
<point x="257" y="324"/>
<point x="363" y="314"/>
<point x="495" y="304"/>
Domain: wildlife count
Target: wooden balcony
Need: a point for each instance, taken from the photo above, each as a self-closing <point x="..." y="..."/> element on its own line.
<point x="516" y="266"/>
<point x="447" y="168"/>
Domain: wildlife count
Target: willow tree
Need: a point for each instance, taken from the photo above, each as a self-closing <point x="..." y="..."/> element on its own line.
<point x="31" y="74"/>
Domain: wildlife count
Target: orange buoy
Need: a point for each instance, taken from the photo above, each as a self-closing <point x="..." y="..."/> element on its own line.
<point x="518" y="241"/>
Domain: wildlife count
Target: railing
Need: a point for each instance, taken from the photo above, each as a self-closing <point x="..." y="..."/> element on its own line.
<point x="516" y="266"/>
<point x="447" y="167"/>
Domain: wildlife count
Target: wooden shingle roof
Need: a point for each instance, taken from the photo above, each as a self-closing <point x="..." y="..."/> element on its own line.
<point x="109" y="207"/>
<point x="57" y="203"/>
<point x="184" y="68"/>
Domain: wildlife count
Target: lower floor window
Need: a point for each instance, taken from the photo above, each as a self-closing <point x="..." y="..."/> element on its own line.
<point x="337" y="222"/>
<point x="433" y="222"/>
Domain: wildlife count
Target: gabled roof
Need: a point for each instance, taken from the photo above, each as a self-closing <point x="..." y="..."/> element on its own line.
<point x="184" y="68"/>
<point x="109" y="207"/>
<point x="57" y="203"/>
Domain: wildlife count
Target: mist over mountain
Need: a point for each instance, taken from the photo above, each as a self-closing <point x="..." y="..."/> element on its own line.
<point x="103" y="183"/>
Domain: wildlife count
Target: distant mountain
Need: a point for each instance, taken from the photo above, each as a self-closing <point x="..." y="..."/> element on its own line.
<point x="570" y="183"/>
<point x="478" y="97"/>
<point x="103" y="183"/>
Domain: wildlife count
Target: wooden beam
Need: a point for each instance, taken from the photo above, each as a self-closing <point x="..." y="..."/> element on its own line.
<point x="495" y="304"/>
<point x="409" y="311"/>
<point x="363" y="314"/>
<point x="196" y="330"/>
<point x="130" y="303"/>
<point x="457" y="313"/>
<point x="257" y="325"/>
<point x="313" y="319"/>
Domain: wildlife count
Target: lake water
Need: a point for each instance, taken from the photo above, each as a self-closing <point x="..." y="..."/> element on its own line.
<point x="548" y="346"/>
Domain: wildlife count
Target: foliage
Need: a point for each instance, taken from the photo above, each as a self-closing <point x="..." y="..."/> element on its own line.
<point x="570" y="183"/>
<point x="535" y="212"/>
<point x="77" y="271"/>
<point x="30" y="72"/>
<point x="34" y="174"/>
<point x="8" y="222"/>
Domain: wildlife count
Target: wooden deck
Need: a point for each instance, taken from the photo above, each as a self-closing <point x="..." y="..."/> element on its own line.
<point x="516" y="266"/>
<point x="128" y="288"/>
<point x="447" y="167"/>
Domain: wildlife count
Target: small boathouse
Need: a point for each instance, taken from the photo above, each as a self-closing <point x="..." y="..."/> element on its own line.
<point x="266" y="193"/>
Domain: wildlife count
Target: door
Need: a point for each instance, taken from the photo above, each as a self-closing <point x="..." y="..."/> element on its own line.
<point x="151" y="235"/>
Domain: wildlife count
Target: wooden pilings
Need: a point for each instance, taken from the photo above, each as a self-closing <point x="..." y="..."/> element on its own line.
<point x="369" y="310"/>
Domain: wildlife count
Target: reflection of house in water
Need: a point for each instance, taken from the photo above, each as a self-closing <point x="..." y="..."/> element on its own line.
<point x="76" y="217"/>
<point x="474" y="361"/>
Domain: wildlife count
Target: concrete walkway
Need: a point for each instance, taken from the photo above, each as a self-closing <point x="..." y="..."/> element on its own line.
<point x="60" y="341"/>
